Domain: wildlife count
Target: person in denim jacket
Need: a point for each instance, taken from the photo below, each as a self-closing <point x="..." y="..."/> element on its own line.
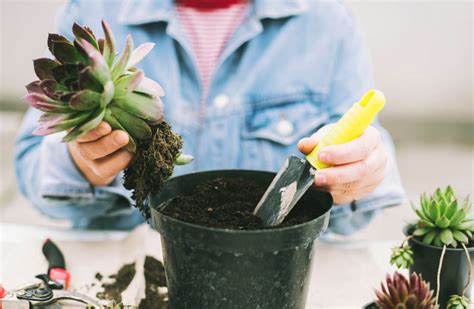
<point x="290" y="69"/>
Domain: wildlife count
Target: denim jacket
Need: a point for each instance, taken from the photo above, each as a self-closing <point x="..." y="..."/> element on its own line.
<point x="291" y="67"/>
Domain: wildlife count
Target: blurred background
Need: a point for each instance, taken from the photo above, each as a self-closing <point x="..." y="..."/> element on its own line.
<point x="422" y="56"/>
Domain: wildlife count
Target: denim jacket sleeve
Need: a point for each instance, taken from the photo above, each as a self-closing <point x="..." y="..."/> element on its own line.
<point x="351" y="79"/>
<point x="48" y="177"/>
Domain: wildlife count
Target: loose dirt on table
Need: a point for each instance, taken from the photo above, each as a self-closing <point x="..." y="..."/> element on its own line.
<point x="229" y="204"/>
<point x="113" y="290"/>
<point x="155" y="280"/>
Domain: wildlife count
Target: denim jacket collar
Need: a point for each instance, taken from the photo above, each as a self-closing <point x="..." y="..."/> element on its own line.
<point x="137" y="12"/>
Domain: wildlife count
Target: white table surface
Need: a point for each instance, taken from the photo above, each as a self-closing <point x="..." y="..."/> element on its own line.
<point x="343" y="275"/>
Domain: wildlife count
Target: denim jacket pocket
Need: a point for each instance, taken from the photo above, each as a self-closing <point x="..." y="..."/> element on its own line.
<point x="274" y="124"/>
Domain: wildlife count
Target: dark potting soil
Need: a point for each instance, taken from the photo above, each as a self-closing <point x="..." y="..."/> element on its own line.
<point x="113" y="291"/>
<point x="152" y="165"/>
<point x="154" y="272"/>
<point x="227" y="203"/>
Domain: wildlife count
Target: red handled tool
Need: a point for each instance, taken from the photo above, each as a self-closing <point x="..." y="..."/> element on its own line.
<point x="56" y="264"/>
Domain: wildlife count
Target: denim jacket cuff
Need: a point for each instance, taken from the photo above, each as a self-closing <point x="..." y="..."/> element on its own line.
<point x="59" y="174"/>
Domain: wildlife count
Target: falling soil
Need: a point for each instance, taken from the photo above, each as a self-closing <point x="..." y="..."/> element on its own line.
<point x="153" y="164"/>
<point x="154" y="279"/>
<point x="113" y="291"/>
<point x="229" y="204"/>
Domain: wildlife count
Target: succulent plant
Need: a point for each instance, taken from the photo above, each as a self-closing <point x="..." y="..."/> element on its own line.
<point x="84" y="84"/>
<point x="402" y="257"/>
<point x="458" y="302"/>
<point x="442" y="220"/>
<point x="401" y="292"/>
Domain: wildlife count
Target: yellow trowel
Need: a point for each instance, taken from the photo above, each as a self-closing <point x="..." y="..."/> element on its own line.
<point x="297" y="175"/>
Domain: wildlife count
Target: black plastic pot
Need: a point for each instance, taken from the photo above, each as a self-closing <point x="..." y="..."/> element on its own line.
<point x="454" y="273"/>
<point x="371" y="305"/>
<point x="219" y="268"/>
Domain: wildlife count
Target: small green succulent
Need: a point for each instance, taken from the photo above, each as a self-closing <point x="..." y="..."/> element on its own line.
<point x="442" y="220"/>
<point x="402" y="257"/>
<point x="458" y="302"/>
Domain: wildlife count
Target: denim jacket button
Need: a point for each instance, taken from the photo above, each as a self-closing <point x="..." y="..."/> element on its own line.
<point x="221" y="101"/>
<point x="285" y="127"/>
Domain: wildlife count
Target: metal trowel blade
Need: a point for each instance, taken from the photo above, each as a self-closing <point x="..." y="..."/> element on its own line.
<point x="289" y="185"/>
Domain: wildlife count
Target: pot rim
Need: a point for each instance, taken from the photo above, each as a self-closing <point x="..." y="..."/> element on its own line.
<point x="322" y="216"/>
<point x="408" y="227"/>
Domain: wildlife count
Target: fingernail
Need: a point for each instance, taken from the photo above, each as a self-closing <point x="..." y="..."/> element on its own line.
<point x="121" y="138"/>
<point x="324" y="156"/>
<point x="320" y="179"/>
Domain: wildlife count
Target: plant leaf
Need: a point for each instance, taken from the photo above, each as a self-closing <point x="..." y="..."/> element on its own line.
<point x="442" y="222"/>
<point x="66" y="74"/>
<point x="126" y="84"/>
<point x="98" y="68"/>
<point x="116" y="125"/>
<point x="460" y="236"/>
<point x="109" y="44"/>
<point x="428" y="238"/>
<point x="120" y="67"/>
<point x="107" y="94"/>
<point x="134" y="125"/>
<point x="82" y="34"/>
<point x="139" y="53"/>
<point x="44" y="68"/>
<point x="150" y="87"/>
<point x="141" y="105"/>
<point x="86" y="126"/>
<point x="183" y="159"/>
<point x="446" y="236"/>
<point x="85" y="100"/>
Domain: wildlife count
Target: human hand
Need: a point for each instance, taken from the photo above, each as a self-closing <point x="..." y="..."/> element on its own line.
<point x="98" y="154"/>
<point x="357" y="168"/>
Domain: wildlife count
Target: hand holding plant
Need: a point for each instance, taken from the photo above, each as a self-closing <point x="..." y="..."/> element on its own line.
<point x="84" y="85"/>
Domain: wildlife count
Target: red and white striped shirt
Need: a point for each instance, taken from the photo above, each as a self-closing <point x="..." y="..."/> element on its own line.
<point x="208" y="32"/>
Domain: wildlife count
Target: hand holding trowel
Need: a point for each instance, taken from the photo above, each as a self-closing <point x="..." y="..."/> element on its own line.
<point x="296" y="175"/>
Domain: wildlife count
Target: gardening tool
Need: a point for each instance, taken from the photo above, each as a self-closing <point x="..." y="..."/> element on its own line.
<point x="47" y="289"/>
<point x="297" y="175"/>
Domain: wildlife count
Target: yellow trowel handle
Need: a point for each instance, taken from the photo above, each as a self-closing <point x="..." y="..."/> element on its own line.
<point x="352" y="124"/>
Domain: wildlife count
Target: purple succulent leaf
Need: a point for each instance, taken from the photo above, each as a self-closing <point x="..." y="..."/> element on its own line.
<point x="82" y="34"/>
<point x="128" y="83"/>
<point x="46" y="104"/>
<point x="48" y="120"/>
<point x="120" y="66"/>
<point x="52" y="89"/>
<point x="98" y="68"/>
<point x="101" y="43"/>
<point x="66" y="74"/>
<point x="53" y="38"/>
<point x="44" y="67"/>
<point x="67" y="52"/>
<point x="85" y="100"/>
<point x="109" y="44"/>
<point x="150" y="87"/>
<point x="42" y="131"/>
<point x="34" y="87"/>
<point x="139" y="53"/>
<point x="87" y="81"/>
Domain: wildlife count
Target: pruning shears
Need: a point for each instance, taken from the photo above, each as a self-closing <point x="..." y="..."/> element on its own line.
<point x="46" y="290"/>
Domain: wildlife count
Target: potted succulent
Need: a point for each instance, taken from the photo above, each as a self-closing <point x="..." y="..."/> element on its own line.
<point x="234" y="262"/>
<point x="84" y="84"/>
<point x="400" y="292"/>
<point x="440" y="247"/>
